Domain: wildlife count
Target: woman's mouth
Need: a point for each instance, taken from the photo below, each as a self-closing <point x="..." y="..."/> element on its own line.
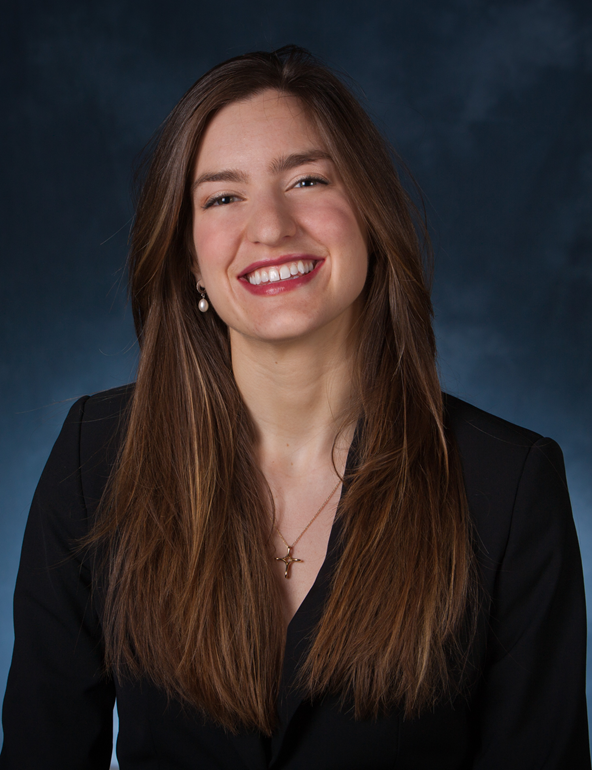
<point x="278" y="273"/>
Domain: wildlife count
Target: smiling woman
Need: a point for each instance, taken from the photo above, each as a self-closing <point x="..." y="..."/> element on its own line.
<point x="280" y="249"/>
<point x="429" y="615"/>
<point x="279" y="225"/>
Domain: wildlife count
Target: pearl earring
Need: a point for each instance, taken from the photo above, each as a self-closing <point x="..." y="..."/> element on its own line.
<point x="203" y="304"/>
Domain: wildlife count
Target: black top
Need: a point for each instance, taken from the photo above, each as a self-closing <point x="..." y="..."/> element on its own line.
<point x="526" y="711"/>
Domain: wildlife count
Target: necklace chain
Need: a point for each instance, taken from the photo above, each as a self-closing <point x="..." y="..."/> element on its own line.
<point x="288" y="559"/>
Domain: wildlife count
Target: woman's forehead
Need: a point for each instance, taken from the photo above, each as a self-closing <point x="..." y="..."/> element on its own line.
<point x="251" y="129"/>
<point x="269" y="104"/>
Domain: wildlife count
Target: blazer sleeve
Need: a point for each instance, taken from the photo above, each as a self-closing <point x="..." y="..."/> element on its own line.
<point x="58" y="708"/>
<point x="532" y="711"/>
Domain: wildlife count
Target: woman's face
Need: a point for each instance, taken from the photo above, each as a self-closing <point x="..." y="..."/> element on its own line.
<point x="279" y="246"/>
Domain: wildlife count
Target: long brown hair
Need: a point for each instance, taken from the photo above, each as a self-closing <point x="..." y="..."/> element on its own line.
<point x="192" y="601"/>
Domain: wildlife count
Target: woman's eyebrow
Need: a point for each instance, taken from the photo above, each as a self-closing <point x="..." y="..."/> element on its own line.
<point x="277" y="166"/>
<point x="287" y="162"/>
<point x="228" y="175"/>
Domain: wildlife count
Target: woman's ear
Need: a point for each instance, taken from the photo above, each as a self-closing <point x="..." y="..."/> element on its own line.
<point x="196" y="271"/>
<point x="193" y="259"/>
<point x="199" y="285"/>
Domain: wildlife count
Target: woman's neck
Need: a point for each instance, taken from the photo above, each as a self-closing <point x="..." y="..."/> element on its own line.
<point x="298" y="394"/>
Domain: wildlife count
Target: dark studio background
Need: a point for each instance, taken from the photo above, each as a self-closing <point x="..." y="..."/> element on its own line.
<point x="488" y="102"/>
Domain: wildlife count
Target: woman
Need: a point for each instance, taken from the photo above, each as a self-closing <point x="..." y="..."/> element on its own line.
<point x="283" y="547"/>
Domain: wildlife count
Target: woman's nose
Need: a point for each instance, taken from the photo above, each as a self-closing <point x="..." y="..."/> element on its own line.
<point x="270" y="220"/>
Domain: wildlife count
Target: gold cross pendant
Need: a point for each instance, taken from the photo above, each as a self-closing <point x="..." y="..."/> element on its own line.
<point x="288" y="560"/>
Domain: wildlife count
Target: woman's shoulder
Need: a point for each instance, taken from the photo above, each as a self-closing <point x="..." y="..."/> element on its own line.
<point x="107" y="405"/>
<point x="92" y="434"/>
<point x="473" y="425"/>
<point x="492" y="450"/>
<point x="514" y="477"/>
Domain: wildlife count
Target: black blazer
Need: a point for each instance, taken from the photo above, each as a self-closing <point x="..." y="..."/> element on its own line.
<point x="527" y="710"/>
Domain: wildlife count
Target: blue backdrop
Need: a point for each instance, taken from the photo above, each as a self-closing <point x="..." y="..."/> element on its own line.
<point x="488" y="102"/>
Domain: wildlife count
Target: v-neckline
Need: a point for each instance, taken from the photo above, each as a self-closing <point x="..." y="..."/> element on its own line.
<point x="298" y="637"/>
<point x="323" y="575"/>
<point x="306" y="618"/>
<point x="257" y="750"/>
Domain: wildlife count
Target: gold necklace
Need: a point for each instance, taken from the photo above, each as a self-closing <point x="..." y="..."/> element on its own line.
<point x="288" y="559"/>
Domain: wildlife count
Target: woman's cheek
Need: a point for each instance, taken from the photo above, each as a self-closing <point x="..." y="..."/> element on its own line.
<point x="211" y="246"/>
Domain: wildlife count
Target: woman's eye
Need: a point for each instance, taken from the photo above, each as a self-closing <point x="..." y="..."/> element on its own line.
<point x="310" y="181"/>
<point x="219" y="200"/>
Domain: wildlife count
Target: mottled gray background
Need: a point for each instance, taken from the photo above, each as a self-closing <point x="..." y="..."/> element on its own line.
<point x="488" y="102"/>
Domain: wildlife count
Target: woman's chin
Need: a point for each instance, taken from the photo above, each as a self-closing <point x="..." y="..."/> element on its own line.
<point x="299" y="328"/>
<point x="276" y="334"/>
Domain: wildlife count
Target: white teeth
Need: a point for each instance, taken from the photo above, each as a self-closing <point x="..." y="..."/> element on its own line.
<point x="280" y="273"/>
